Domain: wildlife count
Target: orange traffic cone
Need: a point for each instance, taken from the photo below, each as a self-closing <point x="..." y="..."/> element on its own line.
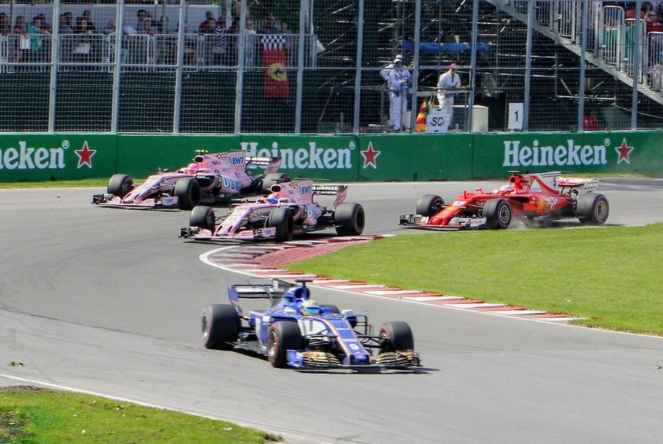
<point x="420" y="123"/>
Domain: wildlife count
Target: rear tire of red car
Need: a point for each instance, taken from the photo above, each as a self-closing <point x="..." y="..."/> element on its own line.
<point x="120" y="184"/>
<point x="497" y="213"/>
<point x="283" y="336"/>
<point x="273" y="179"/>
<point x="203" y="217"/>
<point x="220" y="325"/>
<point x="349" y="219"/>
<point x="592" y="209"/>
<point x="429" y="205"/>
<point x="282" y="219"/>
<point x="187" y="191"/>
<point x="396" y="336"/>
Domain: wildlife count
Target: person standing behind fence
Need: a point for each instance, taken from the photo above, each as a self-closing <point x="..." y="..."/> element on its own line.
<point x="448" y="81"/>
<point x="270" y="26"/>
<point x="400" y="80"/>
<point x="5" y="24"/>
<point x="35" y="31"/>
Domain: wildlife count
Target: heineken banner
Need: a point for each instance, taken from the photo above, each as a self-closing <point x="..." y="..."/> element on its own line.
<point x="382" y="157"/>
<point x="51" y="157"/>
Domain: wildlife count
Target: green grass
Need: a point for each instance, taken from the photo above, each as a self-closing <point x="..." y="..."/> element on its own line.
<point x="37" y="416"/>
<point x="55" y="184"/>
<point x="609" y="275"/>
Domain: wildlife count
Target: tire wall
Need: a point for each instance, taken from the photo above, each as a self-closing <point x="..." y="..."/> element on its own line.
<point x="404" y="157"/>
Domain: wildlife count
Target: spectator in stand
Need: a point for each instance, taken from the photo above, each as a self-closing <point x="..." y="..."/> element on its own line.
<point x="654" y="23"/>
<point x="22" y="38"/>
<point x="270" y="26"/>
<point x="44" y="24"/>
<point x="234" y="28"/>
<point x="35" y="31"/>
<point x="19" y="25"/>
<point x="111" y="30"/>
<point x="5" y="24"/>
<point x="66" y="20"/>
<point x="141" y="15"/>
<point x="148" y="28"/>
<point x="450" y="80"/>
<point x="87" y="15"/>
<point x="202" y="28"/>
<point x="83" y="41"/>
<point x="251" y="44"/>
<point x="645" y="9"/>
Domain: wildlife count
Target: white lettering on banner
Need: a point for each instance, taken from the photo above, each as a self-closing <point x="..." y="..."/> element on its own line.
<point x="29" y="158"/>
<point x="570" y="154"/>
<point x="313" y="157"/>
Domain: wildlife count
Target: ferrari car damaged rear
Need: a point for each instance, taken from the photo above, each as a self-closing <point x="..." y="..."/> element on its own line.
<point x="541" y="198"/>
<point x="295" y="331"/>
<point x="209" y="178"/>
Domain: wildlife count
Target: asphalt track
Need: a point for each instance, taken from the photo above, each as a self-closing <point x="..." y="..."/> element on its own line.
<point x="108" y="301"/>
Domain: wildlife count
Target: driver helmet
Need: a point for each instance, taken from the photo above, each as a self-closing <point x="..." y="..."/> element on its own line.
<point x="506" y="188"/>
<point x="310" y="308"/>
<point x="192" y="168"/>
<point x="273" y="198"/>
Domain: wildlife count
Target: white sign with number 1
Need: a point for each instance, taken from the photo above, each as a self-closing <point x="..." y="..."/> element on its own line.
<point x="515" y="116"/>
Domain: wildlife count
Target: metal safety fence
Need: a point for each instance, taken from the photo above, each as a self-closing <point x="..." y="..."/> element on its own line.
<point x="330" y="66"/>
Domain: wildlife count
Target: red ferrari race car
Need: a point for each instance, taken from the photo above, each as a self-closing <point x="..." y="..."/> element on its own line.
<point x="287" y="211"/>
<point x="540" y="198"/>
<point x="210" y="177"/>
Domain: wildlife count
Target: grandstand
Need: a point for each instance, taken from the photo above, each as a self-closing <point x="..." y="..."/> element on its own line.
<point x="564" y="62"/>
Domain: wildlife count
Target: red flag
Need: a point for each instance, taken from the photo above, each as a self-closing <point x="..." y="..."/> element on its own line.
<point x="274" y="59"/>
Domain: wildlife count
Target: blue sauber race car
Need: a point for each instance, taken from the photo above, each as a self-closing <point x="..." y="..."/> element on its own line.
<point x="297" y="332"/>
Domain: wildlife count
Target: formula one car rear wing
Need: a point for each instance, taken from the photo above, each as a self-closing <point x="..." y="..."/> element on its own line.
<point x="271" y="164"/>
<point x="340" y="191"/>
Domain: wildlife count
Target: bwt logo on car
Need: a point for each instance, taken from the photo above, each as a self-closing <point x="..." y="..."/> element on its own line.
<point x="28" y="158"/>
<point x="231" y="184"/>
<point x="236" y="160"/>
<point x="562" y="155"/>
<point x="305" y="189"/>
<point x="311" y="157"/>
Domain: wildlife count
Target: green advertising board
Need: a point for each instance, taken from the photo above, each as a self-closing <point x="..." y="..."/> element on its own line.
<point x="44" y="157"/>
<point x="378" y="157"/>
<point x="614" y="152"/>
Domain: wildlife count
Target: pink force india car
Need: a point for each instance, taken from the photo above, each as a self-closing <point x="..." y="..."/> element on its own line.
<point x="289" y="210"/>
<point x="534" y="198"/>
<point x="208" y="179"/>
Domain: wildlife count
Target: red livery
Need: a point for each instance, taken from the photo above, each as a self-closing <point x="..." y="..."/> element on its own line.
<point x="543" y="197"/>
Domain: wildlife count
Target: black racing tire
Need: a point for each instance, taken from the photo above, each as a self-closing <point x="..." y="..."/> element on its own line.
<point x="332" y="308"/>
<point x="429" y="205"/>
<point x="592" y="209"/>
<point x="283" y="336"/>
<point x="203" y="217"/>
<point x="220" y="326"/>
<point x="282" y="219"/>
<point x="497" y="213"/>
<point x="396" y="336"/>
<point x="349" y="219"/>
<point x="120" y="184"/>
<point x="273" y="179"/>
<point x="187" y="190"/>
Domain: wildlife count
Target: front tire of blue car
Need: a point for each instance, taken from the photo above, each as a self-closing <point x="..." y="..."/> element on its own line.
<point x="220" y="326"/>
<point x="283" y="336"/>
<point x="396" y="336"/>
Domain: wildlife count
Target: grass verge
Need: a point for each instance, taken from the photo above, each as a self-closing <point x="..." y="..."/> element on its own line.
<point x="609" y="275"/>
<point x="30" y="415"/>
